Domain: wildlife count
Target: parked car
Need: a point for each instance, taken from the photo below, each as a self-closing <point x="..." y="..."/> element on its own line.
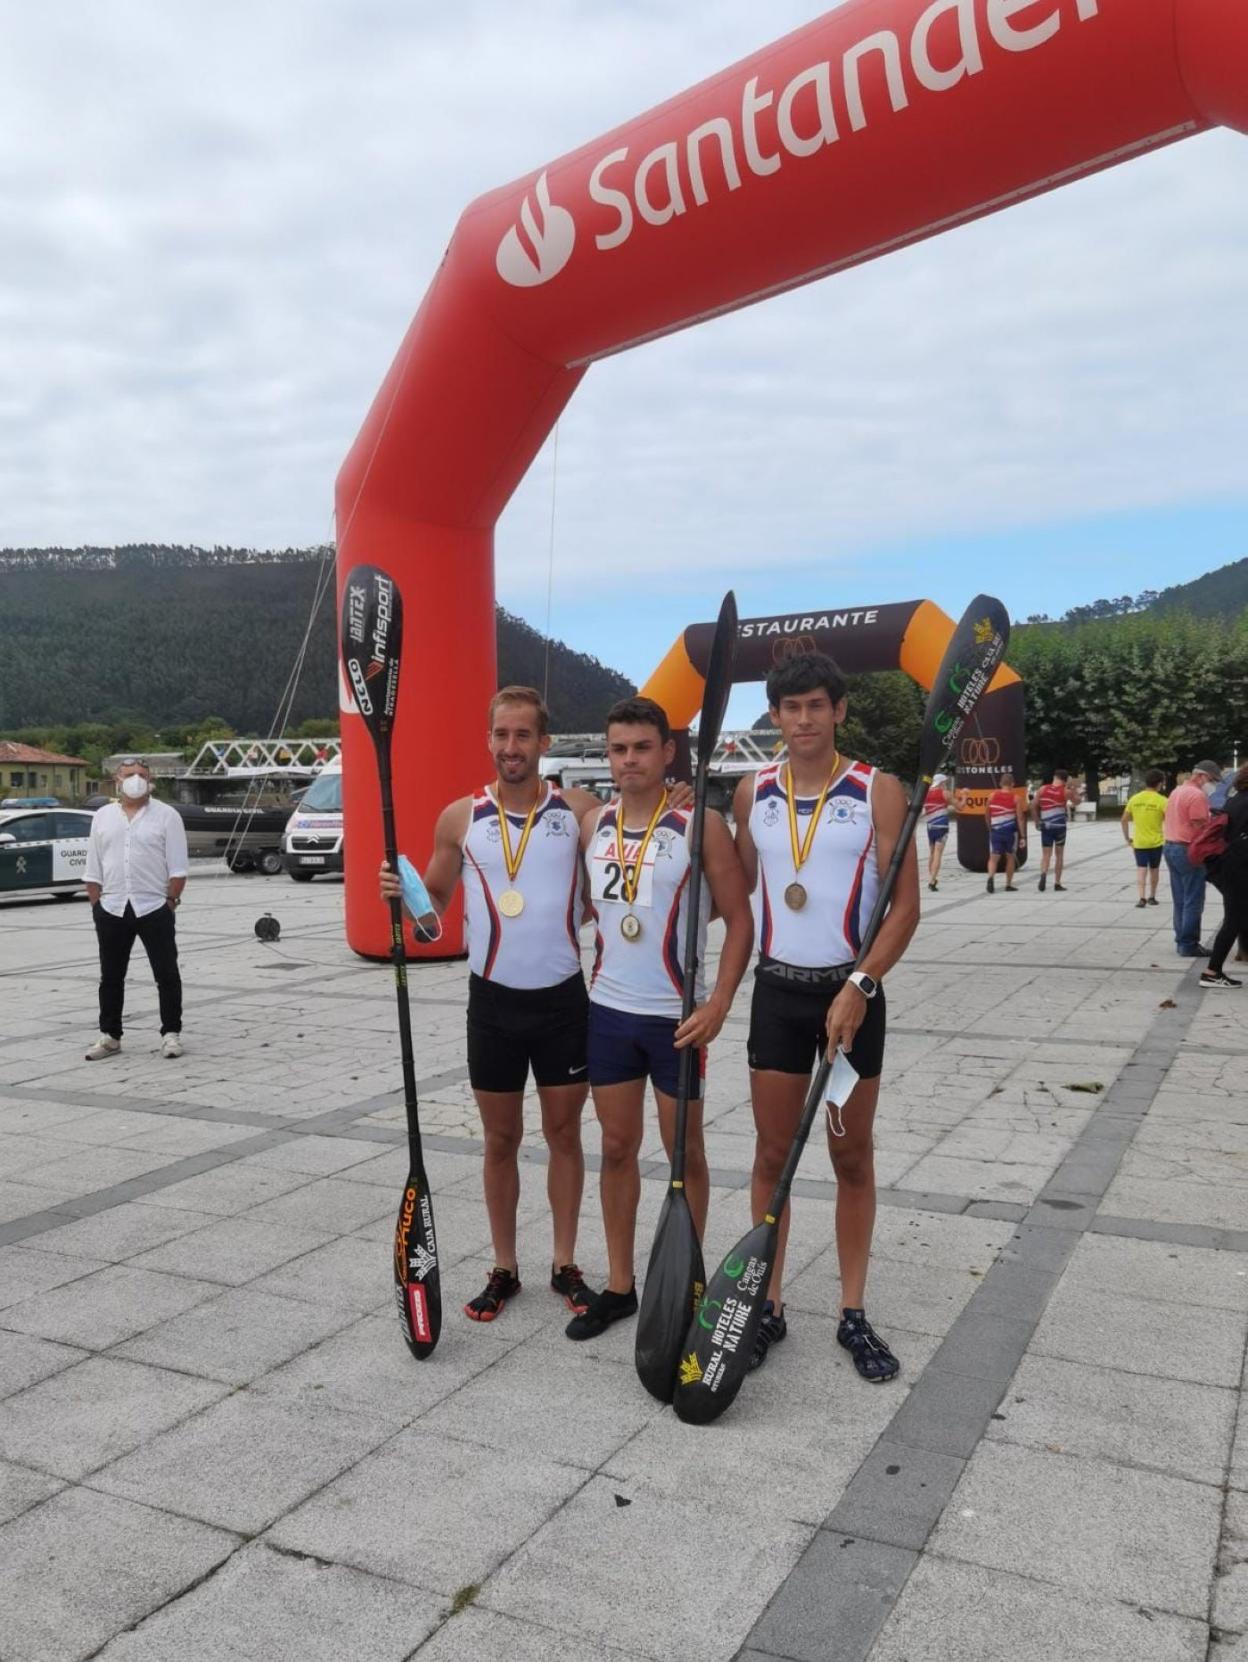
<point x="312" y="841"/>
<point x="43" y="851"/>
<point x="31" y="802"/>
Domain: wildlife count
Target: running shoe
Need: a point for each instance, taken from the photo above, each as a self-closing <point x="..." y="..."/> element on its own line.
<point x="1153" y="901"/>
<point x="492" y="1300"/>
<point x="1044" y="881"/>
<point x="1059" y="888"/>
<point x="1215" y="978"/>
<point x="991" y="886"/>
<point x="605" y="1308"/>
<point x="1140" y="903"/>
<point x="932" y="887"/>
<point x="771" y="1330"/>
<point x="104" y="1046"/>
<point x="569" y="1283"/>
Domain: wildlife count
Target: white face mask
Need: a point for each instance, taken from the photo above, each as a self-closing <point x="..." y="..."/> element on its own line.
<point x="1208" y="786"/>
<point x="134" y="786"/>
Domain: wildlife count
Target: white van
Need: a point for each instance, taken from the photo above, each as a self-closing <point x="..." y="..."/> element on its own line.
<point x="312" y="840"/>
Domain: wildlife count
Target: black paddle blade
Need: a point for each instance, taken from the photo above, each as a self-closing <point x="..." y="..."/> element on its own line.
<point x="715" y="1357"/>
<point x="675" y="1282"/>
<point x="969" y="664"/>
<point x="718" y="688"/>
<point x="417" y="1278"/>
<point x="372" y="639"/>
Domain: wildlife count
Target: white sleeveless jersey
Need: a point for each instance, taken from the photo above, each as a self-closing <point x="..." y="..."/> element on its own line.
<point x="840" y="876"/>
<point x="645" y="976"/>
<point x="540" y="948"/>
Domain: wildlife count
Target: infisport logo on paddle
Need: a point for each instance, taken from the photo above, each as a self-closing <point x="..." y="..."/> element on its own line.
<point x="816" y="108"/>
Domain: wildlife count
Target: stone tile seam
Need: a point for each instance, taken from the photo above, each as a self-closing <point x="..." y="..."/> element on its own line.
<point x="1164" y="1036"/>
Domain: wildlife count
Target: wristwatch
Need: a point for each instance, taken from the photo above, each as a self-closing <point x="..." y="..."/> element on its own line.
<point x="866" y="984"/>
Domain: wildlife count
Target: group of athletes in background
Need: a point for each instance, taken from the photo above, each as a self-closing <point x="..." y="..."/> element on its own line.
<point x="798" y="878"/>
<point x="1006" y="814"/>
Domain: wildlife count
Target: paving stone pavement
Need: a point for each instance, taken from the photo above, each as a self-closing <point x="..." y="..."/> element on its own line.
<point x="213" y="1444"/>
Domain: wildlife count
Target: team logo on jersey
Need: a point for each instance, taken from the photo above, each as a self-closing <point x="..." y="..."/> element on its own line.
<point x="492" y="832"/>
<point x="844" y="810"/>
<point x="663" y="844"/>
<point x="771" y="813"/>
<point x="556" y="825"/>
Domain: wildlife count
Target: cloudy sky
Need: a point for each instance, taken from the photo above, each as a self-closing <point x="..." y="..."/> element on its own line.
<point x="218" y="220"/>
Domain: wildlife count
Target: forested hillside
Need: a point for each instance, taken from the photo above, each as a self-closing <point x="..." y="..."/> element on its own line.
<point x="172" y="636"/>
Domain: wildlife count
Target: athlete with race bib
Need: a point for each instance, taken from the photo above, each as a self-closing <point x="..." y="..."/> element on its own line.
<point x="516" y="845"/>
<point x="816" y="834"/>
<point x="936" y="806"/>
<point x="637" y="856"/>
<point x="1049" y="810"/>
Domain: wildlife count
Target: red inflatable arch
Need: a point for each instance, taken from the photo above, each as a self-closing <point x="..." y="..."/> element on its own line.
<point x="878" y="124"/>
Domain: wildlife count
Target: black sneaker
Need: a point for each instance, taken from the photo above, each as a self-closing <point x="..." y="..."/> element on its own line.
<point x="492" y="1299"/>
<point x="605" y="1307"/>
<point x="1044" y="881"/>
<point x="1140" y="903"/>
<point x="992" y="887"/>
<point x="1059" y="888"/>
<point x="569" y="1283"/>
<point x="1215" y="978"/>
<point x="932" y="887"/>
<point x="771" y="1330"/>
<point x="1153" y="900"/>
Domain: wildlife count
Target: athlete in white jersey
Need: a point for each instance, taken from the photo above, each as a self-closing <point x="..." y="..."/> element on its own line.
<point x="815" y="834"/>
<point x="516" y="844"/>
<point x="637" y="854"/>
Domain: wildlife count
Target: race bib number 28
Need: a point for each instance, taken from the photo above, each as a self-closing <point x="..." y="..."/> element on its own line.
<point x="607" y="876"/>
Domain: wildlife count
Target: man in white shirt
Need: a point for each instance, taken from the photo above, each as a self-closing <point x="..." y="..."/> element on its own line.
<point x="136" y="871"/>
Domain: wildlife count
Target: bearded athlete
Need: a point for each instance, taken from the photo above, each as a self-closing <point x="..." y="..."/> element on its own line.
<point x="816" y="834"/>
<point x="516" y="845"/>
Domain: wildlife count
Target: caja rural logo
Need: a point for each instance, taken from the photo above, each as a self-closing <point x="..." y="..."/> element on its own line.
<point x="818" y="107"/>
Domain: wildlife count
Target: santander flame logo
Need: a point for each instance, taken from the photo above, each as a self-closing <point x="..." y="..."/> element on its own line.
<point x="540" y="246"/>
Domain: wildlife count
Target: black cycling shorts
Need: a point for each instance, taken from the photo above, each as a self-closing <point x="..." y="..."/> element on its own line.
<point x="788" y="1028"/>
<point x="513" y="1029"/>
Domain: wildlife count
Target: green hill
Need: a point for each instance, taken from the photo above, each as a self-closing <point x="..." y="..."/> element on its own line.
<point x="1220" y="593"/>
<point x="170" y="636"/>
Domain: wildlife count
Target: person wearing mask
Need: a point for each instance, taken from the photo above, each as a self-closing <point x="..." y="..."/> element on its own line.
<point x="1142" y="820"/>
<point x="1187" y="809"/>
<point x="136" y="872"/>
<point x="936" y="806"/>
<point x="1230" y="874"/>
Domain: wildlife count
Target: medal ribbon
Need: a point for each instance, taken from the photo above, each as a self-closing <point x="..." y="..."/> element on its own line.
<point x="630" y="889"/>
<point x="513" y="862"/>
<point x="801" y="853"/>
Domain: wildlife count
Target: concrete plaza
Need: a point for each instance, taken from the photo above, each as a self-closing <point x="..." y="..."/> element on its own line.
<point x="213" y="1444"/>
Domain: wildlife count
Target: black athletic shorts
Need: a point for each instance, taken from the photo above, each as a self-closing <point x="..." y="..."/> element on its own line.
<point x="513" y="1029"/>
<point x="788" y="1025"/>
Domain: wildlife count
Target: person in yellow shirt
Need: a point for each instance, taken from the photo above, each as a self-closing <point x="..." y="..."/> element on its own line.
<point x="1143" y="816"/>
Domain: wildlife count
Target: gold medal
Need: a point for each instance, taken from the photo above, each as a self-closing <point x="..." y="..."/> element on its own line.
<point x="511" y="901"/>
<point x="630" y="926"/>
<point x="795" y="895"/>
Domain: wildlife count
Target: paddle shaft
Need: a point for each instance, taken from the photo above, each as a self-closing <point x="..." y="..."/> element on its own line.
<point x="398" y="957"/>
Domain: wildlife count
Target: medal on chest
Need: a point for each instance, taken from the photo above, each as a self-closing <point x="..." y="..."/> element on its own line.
<point x="795" y="895"/>
<point x="630" y="876"/>
<point x="511" y="901"/>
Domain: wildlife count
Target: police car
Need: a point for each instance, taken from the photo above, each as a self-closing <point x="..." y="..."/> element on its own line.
<point x="43" y="851"/>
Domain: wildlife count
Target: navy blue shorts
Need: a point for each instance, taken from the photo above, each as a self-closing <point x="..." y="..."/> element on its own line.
<point x="937" y="833"/>
<point x="1148" y="857"/>
<point x="1052" y="836"/>
<point x="623" y="1047"/>
<point x="1001" y="838"/>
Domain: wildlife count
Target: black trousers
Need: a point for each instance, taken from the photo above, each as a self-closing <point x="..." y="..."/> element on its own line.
<point x="117" y="937"/>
